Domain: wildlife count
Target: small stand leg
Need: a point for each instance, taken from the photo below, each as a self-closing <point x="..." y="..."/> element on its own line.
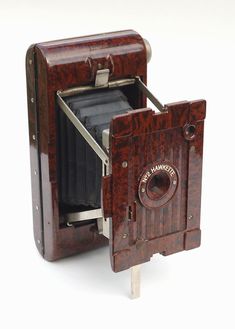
<point x="135" y="281"/>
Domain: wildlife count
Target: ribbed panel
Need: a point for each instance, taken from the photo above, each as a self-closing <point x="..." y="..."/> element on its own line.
<point x="170" y="218"/>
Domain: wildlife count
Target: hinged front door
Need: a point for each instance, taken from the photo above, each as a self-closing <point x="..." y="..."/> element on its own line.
<point x="154" y="190"/>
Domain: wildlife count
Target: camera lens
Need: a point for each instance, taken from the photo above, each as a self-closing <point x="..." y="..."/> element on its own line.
<point x="158" y="185"/>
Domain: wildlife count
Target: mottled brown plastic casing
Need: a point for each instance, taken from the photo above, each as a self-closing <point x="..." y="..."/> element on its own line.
<point x="59" y="65"/>
<point x="139" y="138"/>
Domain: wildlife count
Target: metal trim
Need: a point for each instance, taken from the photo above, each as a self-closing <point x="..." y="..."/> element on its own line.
<point x="148" y="50"/>
<point x="83" y="215"/>
<point x="135" y="281"/>
<point x="34" y="138"/>
<point x="102" y="77"/>
<point x="116" y="84"/>
<point x="111" y="84"/>
<point x="149" y="95"/>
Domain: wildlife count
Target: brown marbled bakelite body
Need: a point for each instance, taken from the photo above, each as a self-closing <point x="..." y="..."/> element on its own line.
<point x="59" y="65"/>
<point x="140" y="138"/>
<point x="140" y="226"/>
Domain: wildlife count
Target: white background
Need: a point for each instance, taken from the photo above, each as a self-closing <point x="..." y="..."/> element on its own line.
<point x="193" y="45"/>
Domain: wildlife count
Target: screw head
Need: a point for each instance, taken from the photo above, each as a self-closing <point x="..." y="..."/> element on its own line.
<point x="142" y="189"/>
<point x="32" y="100"/>
<point x="36" y="207"/>
<point x="124" y="235"/>
<point x="124" y="164"/>
<point x="190" y="217"/>
<point x="174" y="182"/>
<point x="38" y="241"/>
<point x="30" y="61"/>
<point x="35" y="172"/>
<point x="34" y="137"/>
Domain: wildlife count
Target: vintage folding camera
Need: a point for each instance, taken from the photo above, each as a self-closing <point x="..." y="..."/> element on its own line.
<point x="105" y="169"/>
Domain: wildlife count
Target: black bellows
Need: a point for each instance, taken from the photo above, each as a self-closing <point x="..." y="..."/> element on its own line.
<point x="79" y="168"/>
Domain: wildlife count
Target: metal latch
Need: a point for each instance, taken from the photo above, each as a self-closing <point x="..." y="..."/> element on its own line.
<point x="102" y="77"/>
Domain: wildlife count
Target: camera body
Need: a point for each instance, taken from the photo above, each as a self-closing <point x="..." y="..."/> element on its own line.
<point x="105" y="169"/>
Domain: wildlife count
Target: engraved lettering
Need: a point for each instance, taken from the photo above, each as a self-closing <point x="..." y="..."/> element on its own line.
<point x="146" y="176"/>
<point x="159" y="167"/>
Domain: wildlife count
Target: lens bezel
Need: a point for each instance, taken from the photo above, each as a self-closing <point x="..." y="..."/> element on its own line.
<point x="151" y="199"/>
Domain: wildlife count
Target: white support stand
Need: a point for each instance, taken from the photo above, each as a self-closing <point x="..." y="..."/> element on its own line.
<point x="135" y="281"/>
